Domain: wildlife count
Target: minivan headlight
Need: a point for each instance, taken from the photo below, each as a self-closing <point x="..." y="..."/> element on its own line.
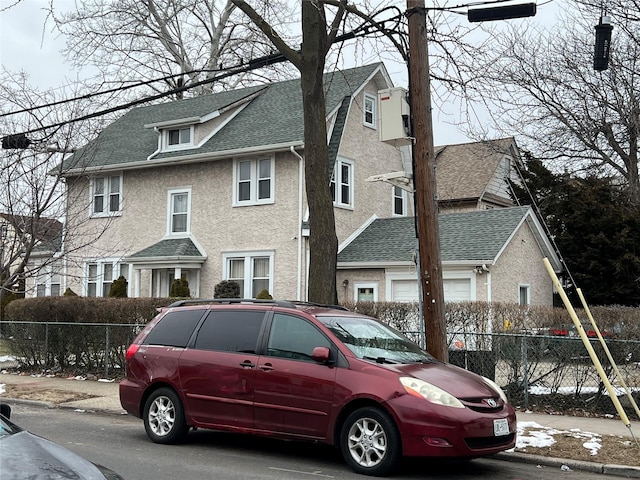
<point x="498" y="390"/>
<point x="422" y="389"/>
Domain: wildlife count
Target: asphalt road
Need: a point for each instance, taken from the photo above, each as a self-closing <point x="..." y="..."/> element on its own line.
<point x="120" y="443"/>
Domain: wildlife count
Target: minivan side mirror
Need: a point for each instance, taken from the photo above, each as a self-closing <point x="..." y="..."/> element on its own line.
<point x="320" y="354"/>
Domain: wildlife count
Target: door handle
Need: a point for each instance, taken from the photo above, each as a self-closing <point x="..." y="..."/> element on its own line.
<point x="247" y="364"/>
<point x="266" y="367"/>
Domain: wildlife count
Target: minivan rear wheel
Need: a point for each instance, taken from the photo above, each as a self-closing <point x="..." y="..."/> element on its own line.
<point x="164" y="417"/>
<point x="370" y="442"/>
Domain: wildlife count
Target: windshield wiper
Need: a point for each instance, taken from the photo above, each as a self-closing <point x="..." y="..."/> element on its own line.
<point x="380" y="359"/>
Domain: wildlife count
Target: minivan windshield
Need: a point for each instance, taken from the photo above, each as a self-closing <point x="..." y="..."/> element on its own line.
<point x="370" y="339"/>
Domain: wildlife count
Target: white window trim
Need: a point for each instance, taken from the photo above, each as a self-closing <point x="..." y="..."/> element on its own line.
<point x="403" y="195"/>
<point x="106" y="212"/>
<point x="248" y="256"/>
<point x="357" y="285"/>
<point x="337" y="180"/>
<point x="99" y="281"/>
<point x="180" y="146"/>
<point x="44" y="276"/>
<point x="526" y="287"/>
<point x="170" y="193"/>
<point x="254" y="182"/>
<point x="374" y="111"/>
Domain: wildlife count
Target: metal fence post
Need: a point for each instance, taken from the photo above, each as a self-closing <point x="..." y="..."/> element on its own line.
<point x="106" y="352"/>
<point x="46" y="343"/>
<point x="525" y="371"/>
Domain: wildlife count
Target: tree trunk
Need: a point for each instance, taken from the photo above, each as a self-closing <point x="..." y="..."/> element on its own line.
<point x="323" y="242"/>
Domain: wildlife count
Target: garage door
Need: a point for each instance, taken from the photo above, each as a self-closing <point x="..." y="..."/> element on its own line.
<point x="404" y="290"/>
<point x="457" y="290"/>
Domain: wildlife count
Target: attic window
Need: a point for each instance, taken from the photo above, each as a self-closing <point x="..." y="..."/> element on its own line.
<point x="369" y="119"/>
<point x="176" y="138"/>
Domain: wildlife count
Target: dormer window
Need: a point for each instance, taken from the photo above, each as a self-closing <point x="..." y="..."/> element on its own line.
<point x="176" y="138"/>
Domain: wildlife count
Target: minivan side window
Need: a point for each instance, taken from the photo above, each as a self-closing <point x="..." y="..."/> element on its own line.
<point x="174" y="329"/>
<point x="230" y="331"/>
<point x="293" y="337"/>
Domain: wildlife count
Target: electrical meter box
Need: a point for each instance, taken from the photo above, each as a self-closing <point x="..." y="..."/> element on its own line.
<point x="395" y="117"/>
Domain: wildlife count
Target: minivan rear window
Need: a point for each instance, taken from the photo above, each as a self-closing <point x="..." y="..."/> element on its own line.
<point x="175" y="328"/>
<point x="230" y="331"/>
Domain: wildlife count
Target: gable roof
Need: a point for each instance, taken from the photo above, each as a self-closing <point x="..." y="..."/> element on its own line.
<point x="454" y="163"/>
<point x="472" y="237"/>
<point x="168" y="248"/>
<point x="272" y="116"/>
<point x="46" y="231"/>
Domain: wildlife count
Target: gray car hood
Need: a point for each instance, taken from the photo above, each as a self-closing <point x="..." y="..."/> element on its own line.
<point x="24" y="455"/>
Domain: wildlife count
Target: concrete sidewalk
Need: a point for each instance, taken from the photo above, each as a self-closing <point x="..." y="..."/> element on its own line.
<point x="104" y="398"/>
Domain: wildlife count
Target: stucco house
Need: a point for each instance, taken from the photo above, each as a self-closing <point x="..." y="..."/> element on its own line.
<point x="490" y="255"/>
<point x="42" y="238"/>
<point x="212" y="188"/>
<point x="491" y="249"/>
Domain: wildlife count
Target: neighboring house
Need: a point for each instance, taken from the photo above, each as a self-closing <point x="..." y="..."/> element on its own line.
<point x="490" y="255"/>
<point x="476" y="175"/>
<point x="212" y="188"/>
<point x="42" y="239"/>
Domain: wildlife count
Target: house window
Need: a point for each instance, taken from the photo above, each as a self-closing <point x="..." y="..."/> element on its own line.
<point x="253" y="181"/>
<point x="101" y="274"/>
<point x="524" y="297"/>
<point x="179" y="211"/>
<point x="369" y="119"/>
<point x="365" y="292"/>
<point x="48" y="280"/>
<point x="399" y="202"/>
<point x="253" y="272"/>
<point x="177" y="138"/>
<point x="342" y="183"/>
<point x="107" y="195"/>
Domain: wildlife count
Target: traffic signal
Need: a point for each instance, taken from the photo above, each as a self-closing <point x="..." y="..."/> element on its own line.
<point x="17" y="141"/>
<point x="501" y="13"/>
<point x="603" y="44"/>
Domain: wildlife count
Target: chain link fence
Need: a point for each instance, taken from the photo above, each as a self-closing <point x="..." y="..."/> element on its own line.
<point x="537" y="372"/>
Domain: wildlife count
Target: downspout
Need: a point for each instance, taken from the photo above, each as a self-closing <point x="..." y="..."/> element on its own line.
<point x="157" y="130"/>
<point x="300" y="213"/>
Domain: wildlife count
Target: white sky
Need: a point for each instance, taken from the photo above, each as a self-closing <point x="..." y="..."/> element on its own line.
<point x="27" y="44"/>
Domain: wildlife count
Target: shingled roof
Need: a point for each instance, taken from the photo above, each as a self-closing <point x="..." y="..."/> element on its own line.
<point x="169" y="247"/>
<point x="464" y="170"/>
<point x="477" y="236"/>
<point x="273" y="116"/>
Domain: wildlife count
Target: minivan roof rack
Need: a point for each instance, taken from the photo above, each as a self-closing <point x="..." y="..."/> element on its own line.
<point x="280" y="303"/>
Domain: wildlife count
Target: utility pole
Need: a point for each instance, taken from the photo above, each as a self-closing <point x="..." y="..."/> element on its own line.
<point x="424" y="165"/>
<point x="424" y="178"/>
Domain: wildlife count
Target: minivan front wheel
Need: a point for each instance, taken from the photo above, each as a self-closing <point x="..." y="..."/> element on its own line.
<point x="164" y="417"/>
<point x="370" y="442"/>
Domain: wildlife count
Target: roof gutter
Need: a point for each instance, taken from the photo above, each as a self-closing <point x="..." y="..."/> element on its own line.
<point x="186" y="159"/>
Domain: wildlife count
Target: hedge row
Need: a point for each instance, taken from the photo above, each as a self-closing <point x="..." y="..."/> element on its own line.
<point x="60" y="335"/>
<point x="58" y="338"/>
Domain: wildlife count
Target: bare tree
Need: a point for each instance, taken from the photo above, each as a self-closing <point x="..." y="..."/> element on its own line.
<point x="546" y="91"/>
<point x="182" y="42"/>
<point x="33" y="201"/>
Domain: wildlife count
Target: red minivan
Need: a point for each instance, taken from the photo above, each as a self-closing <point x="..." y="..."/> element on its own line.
<point x="307" y="372"/>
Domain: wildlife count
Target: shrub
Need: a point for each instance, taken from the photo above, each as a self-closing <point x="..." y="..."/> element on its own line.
<point x="264" y="295"/>
<point x="119" y="288"/>
<point x="180" y="288"/>
<point x="227" y="289"/>
<point x="69" y="293"/>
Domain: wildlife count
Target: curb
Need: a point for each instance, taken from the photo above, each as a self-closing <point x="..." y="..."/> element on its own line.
<point x="593" y="467"/>
<point x="50" y="405"/>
